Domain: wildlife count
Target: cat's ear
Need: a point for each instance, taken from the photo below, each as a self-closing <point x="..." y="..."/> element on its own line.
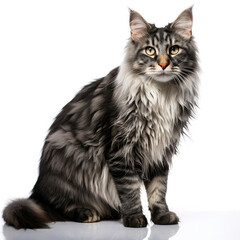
<point x="183" y="24"/>
<point x="138" y="25"/>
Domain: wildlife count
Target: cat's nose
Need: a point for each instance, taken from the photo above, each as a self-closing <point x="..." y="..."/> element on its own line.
<point x="163" y="61"/>
<point x="163" y="65"/>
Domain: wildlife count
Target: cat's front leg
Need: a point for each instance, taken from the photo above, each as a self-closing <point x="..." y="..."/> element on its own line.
<point x="156" y="192"/>
<point x="128" y="186"/>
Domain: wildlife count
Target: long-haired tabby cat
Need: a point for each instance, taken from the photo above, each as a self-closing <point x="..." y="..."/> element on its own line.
<point x="117" y="133"/>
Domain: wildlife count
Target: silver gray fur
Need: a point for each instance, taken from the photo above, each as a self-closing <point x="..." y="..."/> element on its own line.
<point x="117" y="133"/>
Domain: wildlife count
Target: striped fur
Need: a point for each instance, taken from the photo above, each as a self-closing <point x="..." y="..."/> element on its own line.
<point x="117" y="133"/>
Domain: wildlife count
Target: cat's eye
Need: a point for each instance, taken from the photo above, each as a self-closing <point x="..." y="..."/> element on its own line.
<point x="150" y="51"/>
<point x="174" y="50"/>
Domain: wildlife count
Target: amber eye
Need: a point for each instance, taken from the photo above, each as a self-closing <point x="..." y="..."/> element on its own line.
<point x="150" y="51"/>
<point x="174" y="50"/>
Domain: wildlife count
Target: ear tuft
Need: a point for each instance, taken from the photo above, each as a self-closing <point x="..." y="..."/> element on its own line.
<point x="183" y="24"/>
<point x="138" y="25"/>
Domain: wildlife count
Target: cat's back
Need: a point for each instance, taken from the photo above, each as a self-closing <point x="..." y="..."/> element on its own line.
<point x="90" y="104"/>
<point x="81" y="131"/>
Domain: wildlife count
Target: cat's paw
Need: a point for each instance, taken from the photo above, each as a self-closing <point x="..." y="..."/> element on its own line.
<point x="167" y="218"/>
<point x="87" y="215"/>
<point x="135" y="220"/>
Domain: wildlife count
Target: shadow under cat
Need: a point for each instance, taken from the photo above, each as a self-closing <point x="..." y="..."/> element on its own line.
<point x="100" y="230"/>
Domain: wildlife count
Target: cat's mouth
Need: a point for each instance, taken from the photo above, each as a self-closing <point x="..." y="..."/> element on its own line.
<point x="161" y="76"/>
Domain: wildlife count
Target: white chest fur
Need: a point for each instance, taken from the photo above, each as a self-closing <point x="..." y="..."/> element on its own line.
<point x="148" y="113"/>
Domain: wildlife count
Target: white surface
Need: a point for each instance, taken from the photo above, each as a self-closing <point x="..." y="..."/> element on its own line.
<point x="49" y="49"/>
<point x="197" y="226"/>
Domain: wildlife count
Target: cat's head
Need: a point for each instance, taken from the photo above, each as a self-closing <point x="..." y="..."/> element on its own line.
<point x="162" y="54"/>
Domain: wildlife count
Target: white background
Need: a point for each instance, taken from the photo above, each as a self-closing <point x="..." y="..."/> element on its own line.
<point x="50" y="49"/>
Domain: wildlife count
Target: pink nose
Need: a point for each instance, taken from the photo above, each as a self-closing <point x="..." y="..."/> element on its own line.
<point x="163" y="65"/>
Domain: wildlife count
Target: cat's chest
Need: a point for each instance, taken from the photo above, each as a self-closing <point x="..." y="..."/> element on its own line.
<point x="152" y="113"/>
<point x="157" y="111"/>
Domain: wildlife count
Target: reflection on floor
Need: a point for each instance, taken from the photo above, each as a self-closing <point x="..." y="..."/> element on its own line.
<point x="101" y="230"/>
<point x="194" y="226"/>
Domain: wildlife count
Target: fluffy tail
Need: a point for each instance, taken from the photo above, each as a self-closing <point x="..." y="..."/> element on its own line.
<point x="25" y="213"/>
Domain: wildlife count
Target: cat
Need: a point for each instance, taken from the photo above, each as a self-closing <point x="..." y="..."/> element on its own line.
<point x="118" y="133"/>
